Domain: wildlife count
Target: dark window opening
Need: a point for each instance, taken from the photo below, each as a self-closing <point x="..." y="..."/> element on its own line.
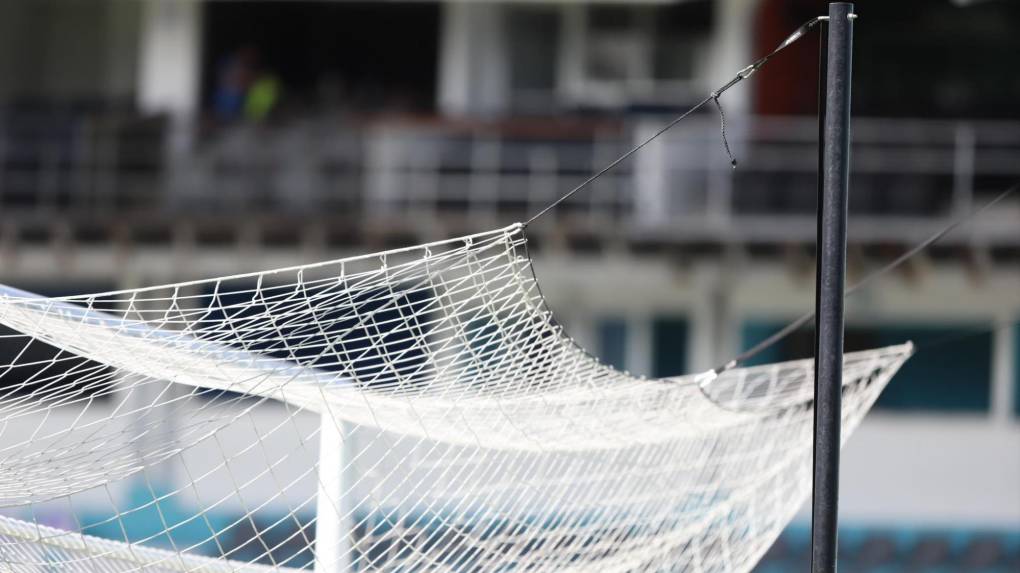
<point x="913" y="58"/>
<point x="669" y="336"/>
<point x="612" y="342"/>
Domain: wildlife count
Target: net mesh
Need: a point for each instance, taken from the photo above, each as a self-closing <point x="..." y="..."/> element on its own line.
<point x="413" y="410"/>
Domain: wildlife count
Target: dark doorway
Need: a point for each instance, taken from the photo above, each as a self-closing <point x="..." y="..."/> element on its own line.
<point x="357" y="55"/>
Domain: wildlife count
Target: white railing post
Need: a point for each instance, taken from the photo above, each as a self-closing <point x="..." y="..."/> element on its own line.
<point x="543" y="178"/>
<point x="964" y="142"/>
<point x="651" y="205"/>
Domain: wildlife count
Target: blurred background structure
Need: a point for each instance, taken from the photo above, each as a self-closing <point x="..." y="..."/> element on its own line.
<point x="144" y="141"/>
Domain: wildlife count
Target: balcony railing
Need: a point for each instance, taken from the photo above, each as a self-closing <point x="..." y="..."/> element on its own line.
<point x="909" y="176"/>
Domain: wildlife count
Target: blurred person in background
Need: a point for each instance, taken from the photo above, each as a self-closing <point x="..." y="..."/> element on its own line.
<point x="235" y="76"/>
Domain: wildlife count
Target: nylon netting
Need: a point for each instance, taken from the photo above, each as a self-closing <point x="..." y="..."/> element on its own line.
<point x="414" y="410"/>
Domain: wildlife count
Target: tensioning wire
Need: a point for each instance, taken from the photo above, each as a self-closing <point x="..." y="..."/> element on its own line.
<point x="805" y="318"/>
<point x="713" y="97"/>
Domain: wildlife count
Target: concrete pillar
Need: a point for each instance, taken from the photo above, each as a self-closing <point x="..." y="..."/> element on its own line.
<point x="731" y="49"/>
<point x="473" y="66"/>
<point x="169" y="72"/>
<point x="1004" y="365"/>
<point x="701" y="337"/>
<point x="570" y="59"/>
<point x="639" y="357"/>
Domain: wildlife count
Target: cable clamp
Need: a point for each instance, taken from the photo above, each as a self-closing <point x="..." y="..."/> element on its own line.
<point x="746" y="72"/>
<point x="850" y="16"/>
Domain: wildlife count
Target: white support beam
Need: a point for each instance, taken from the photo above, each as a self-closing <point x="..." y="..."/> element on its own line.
<point x="703" y="333"/>
<point x="332" y="521"/>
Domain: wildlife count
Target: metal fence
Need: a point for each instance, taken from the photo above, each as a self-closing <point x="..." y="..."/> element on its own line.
<point x="913" y="173"/>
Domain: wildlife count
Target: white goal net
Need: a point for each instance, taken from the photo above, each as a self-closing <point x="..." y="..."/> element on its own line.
<point x="413" y="410"/>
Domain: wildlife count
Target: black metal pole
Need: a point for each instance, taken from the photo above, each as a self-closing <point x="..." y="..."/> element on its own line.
<point x="832" y="211"/>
